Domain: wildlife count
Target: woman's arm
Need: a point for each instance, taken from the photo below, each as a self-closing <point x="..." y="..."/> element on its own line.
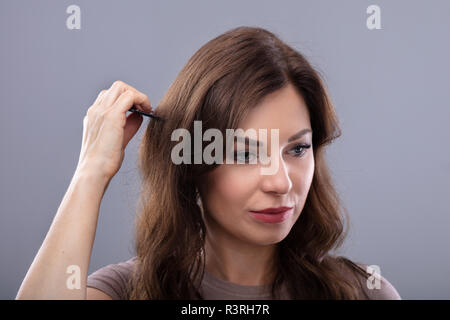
<point x="60" y="268"/>
<point x="68" y="243"/>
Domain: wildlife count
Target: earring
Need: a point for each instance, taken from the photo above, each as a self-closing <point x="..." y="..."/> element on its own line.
<point x="199" y="199"/>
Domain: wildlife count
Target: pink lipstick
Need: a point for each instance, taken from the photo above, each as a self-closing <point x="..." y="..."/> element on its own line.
<point x="272" y="215"/>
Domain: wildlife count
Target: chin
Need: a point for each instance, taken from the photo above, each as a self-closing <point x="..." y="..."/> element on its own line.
<point x="265" y="238"/>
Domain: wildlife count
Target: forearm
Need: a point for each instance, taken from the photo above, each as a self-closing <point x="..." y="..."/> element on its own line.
<point x="68" y="242"/>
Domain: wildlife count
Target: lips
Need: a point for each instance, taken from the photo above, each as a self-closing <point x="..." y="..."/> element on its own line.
<point x="272" y="215"/>
<point x="273" y="210"/>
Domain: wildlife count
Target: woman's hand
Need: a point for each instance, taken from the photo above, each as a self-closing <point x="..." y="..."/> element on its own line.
<point x="107" y="129"/>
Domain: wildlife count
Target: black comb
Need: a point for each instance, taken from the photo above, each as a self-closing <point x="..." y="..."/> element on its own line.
<point x="133" y="109"/>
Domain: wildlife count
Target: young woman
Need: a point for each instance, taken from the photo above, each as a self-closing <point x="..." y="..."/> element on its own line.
<point x="200" y="232"/>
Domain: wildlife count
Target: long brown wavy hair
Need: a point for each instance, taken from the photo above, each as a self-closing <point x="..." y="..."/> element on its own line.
<point x="219" y="84"/>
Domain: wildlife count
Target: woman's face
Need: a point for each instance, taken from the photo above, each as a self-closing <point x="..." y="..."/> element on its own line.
<point x="231" y="191"/>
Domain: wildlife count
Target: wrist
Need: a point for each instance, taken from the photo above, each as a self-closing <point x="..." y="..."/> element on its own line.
<point x="92" y="176"/>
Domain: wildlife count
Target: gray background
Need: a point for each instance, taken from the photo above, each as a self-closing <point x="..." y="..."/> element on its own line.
<point x="390" y="88"/>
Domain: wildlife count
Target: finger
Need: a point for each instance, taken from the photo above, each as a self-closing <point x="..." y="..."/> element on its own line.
<point x="132" y="97"/>
<point x="145" y="105"/>
<point x="100" y="96"/>
<point x="119" y="87"/>
<point x="113" y="93"/>
<point x="132" y="125"/>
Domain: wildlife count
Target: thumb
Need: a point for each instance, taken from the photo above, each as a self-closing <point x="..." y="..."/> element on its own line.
<point x="132" y="125"/>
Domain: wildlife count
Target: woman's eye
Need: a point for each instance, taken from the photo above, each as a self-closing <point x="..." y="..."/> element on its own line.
<point x="247" y="157"/>
<point x="300" y="149"/>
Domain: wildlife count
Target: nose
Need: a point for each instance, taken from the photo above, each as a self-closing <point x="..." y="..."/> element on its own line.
<point x="278" y="182"/>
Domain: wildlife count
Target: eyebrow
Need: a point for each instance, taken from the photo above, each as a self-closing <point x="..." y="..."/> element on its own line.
<point x="260" y="143"/>
<point x="299" y="134"/>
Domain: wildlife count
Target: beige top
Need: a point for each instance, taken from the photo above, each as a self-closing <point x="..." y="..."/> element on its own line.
<point x="112" y="280"/>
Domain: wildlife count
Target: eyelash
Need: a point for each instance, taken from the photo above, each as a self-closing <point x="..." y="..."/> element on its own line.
<point x="302" y="146"/>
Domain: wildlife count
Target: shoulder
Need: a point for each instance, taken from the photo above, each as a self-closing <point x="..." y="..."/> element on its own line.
<point x="113" y="278"/>
<point x="375" y="286"/>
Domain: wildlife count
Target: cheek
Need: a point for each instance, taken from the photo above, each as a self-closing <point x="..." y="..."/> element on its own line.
<point x="230" y="189"/>
<point x="302" y="176"/>
<point x="310" y="171"/>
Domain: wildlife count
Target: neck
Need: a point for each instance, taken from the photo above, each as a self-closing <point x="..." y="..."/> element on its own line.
<point x="241" y="263"/>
